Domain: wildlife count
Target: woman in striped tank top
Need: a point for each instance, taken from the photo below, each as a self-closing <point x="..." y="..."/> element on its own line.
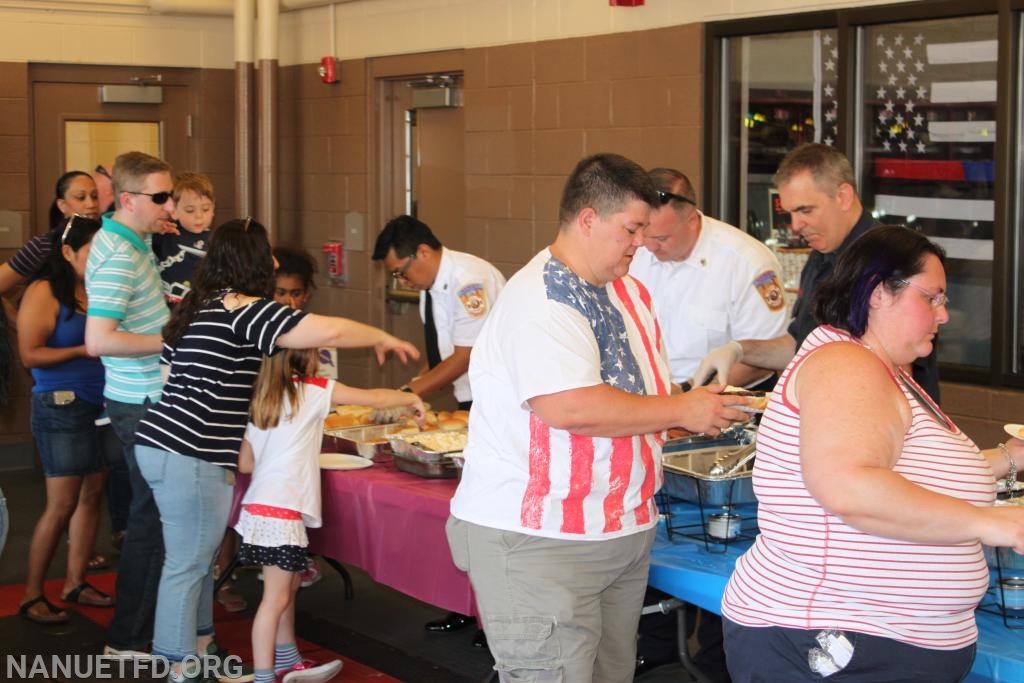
<point x="873" y="504"/>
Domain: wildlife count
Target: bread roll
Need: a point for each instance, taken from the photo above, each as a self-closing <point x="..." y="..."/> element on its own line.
<point x="452" y="423"/>
<point x="461" y="415"/>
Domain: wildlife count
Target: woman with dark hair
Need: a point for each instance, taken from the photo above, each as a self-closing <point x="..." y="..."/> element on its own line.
<point x="187" y="444"/>
<point x="75" y="193"/>
<point x="874" y="505"/>
<point x="66" y="401"/>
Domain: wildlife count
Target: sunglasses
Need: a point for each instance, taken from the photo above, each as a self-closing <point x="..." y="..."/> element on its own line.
<point x="67" y="228"/>
<point x="157" y="197"/>
<point x="666" y="197"/>
<point x="101" y="169"/>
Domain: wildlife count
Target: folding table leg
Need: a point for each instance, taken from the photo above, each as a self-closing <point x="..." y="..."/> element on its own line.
<point x="340" y="568"/>
<point x="684" y="648"/>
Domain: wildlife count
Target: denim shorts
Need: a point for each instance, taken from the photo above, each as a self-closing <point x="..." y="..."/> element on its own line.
<point x="67" y="437"/>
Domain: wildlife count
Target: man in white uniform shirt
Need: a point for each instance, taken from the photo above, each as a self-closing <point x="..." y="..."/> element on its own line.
<point x="554" y="517"/>
<point x="710" y="281"/>
<point x="457" y="291"/>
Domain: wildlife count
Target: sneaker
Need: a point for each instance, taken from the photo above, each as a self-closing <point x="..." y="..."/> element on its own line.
<point x="309" y="671"/>
<point x="124" y="654"/>
<point x="182" y="677"/>
<point x="233" y="671"/>
<point x="311" y="575"/>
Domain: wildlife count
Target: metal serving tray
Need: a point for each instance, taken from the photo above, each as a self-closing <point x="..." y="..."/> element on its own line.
<point x="687" y="478"/>
<point x="735" y="436"/>
<point x="370" y="442"/>
<point x="415" y="459"/>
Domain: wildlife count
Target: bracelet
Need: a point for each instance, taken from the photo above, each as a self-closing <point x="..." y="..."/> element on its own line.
<point x="1011" y="473"/>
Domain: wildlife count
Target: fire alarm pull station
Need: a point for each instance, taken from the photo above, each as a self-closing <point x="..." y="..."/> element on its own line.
<point x="334" y="252"/>
<point x="328" y="70"/>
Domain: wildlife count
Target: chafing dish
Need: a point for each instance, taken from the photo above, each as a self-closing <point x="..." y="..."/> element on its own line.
<point x="734" y="436"/>
<point x="413" y="457"/>
<point x="368" y="441"/>
<point x="687" y="476"/>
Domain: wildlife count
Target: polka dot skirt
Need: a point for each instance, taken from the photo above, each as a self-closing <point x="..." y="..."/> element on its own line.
<point x="272" y="541"/>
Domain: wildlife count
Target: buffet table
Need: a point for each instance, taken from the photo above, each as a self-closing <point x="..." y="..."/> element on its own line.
<point x="684" y="568"/>
<point x="391" y="525"/>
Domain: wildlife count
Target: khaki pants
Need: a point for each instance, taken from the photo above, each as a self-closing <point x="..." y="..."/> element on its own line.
<point x="556" y="610"/>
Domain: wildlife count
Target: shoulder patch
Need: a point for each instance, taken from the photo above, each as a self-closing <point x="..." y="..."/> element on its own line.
<point x="767" y="284"/>
<point x="474" y="299"/>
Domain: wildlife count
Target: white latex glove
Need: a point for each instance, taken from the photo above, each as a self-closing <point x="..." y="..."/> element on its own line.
<point x="719" y="361"/>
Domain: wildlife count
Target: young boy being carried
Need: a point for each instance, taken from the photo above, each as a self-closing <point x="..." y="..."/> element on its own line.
<point x="178" y="255"/>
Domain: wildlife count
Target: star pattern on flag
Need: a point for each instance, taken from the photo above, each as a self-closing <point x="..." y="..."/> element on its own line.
<point x="619" y="367"/>
<point x="829" y="90"/>
<point x="900" y="67"/>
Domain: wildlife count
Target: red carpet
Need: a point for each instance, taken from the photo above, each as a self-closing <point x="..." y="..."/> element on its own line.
<point x="233" y="630"/>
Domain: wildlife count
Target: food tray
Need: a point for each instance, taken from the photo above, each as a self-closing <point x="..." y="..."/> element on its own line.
<point x="406" y="446"/>
<point x="415" y="459"/>
<point x="444" y="468"/>
<point x="687" y="478"/>
<point x="730" y="437"/>
<point x="368" y="441"/>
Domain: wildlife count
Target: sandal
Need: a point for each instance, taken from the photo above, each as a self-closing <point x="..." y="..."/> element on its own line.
<point x="97" y="562"/>
<point x="78" y="596"/>
<point x="52" y="616"/>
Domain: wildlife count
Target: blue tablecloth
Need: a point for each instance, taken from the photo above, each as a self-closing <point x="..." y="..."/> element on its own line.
<point x="684" y="568"/>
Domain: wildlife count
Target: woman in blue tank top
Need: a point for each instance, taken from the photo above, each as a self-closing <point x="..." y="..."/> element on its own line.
<point x="67" y="399"/>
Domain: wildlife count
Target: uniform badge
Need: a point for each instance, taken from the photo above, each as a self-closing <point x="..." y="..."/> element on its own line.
<point x="474" y="300"/>
<point x="767" y="284"/>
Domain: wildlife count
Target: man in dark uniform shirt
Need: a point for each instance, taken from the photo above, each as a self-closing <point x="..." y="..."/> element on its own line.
<point x="817" y="187"/>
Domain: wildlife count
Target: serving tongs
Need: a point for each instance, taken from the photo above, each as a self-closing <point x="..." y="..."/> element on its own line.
<point x="731" y="461"/>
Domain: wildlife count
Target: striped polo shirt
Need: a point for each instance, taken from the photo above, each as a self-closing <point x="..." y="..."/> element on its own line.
<point x="205" y="404"/>
<point x="122" y="283"/>
<point x="810" y="570"/>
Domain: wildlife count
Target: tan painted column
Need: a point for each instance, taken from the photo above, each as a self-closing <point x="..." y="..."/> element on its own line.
<point x="245" y="123"/>
<point x="267" y="203"/>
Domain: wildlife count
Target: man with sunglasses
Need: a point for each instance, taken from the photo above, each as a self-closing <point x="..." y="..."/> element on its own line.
<point x="710" y="282"/>
<point x="125" y="318"/>
<point x="817" y="187"/>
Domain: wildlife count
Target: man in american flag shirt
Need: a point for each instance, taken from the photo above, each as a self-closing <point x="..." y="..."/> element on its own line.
<point x="554" y="517"/>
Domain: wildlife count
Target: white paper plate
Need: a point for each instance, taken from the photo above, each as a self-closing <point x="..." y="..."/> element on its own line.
<point x="343" y="461"/>
<point x="1015" y="430"/>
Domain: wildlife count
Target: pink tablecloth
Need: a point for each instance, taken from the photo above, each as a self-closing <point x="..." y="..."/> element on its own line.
<point x="391" y="525"/>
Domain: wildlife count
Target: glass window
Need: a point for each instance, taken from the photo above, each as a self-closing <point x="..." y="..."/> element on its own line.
<point x="782" y="91"/>
<point x="927" y="137"/>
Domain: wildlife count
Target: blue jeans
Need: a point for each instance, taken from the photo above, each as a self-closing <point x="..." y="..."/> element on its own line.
<point x="194" y="498"/>
<point x="66" y="435"/>
<point x="142" y="554"/>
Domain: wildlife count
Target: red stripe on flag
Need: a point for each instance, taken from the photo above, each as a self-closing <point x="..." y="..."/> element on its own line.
<point x="581" y="474"/>
<point x="643" y="510"/>
<point x="539" y="484"/>
<point x="645" y="297"/>
<point x="918" y="169"/>
<point x="623" y="294"/>
<point x="618" y="481"/>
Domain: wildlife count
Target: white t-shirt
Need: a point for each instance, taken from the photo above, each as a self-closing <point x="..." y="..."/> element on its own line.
<point x="728" y="288"/>
<point x="463" y="293"/>
<point x="287" y="471"/>
<point x="550" y="332"/>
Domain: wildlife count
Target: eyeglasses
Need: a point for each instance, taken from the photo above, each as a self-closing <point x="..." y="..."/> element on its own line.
<point x="101" y="169"/>
<point x="666" y="197"/>
<point x="157" y="197"/>
<point x="934" y="300"/>
<point x="67" y="228"/>
<point x="400" y="272"/>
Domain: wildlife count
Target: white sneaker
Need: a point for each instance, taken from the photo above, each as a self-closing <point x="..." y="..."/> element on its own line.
<point x="311" y="672"/>
<point x="125" y="654"/>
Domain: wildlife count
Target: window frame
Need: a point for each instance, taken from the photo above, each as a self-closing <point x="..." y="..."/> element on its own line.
<point x="1007" y="340"/>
